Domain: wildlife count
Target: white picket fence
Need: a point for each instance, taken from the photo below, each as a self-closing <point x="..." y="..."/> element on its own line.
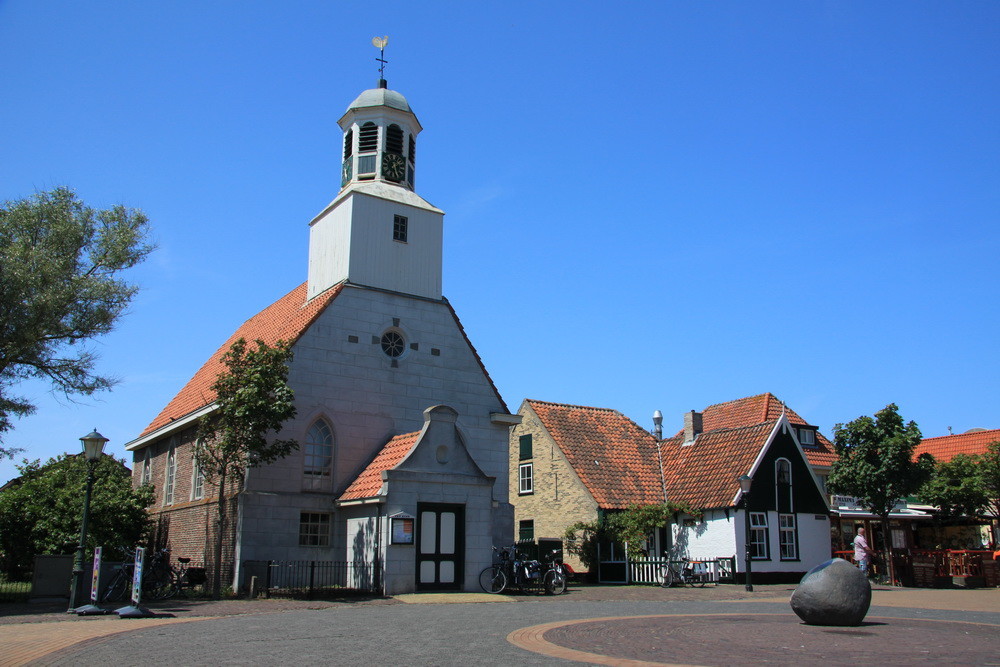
<point x="649" y="570"/>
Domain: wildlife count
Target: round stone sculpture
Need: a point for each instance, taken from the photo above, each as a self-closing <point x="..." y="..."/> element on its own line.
<point x="832" y="593"/>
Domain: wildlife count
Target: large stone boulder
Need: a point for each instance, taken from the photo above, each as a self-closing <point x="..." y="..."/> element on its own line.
<point x="832" y="593"/>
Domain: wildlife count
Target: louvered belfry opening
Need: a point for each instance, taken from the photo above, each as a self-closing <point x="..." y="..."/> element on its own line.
<point x="349" y="144"/>
<point x="368" y="138"/>
<point x="394" y="139"/>
<point x="413" y="150"/>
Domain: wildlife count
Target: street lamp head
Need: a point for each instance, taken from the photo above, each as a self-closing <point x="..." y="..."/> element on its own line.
<point x="93" y="445"/>
<point x="745" y="482"/>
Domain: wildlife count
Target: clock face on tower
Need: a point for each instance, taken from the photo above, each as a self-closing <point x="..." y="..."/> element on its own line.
<point x="393" y="167"/>
<point x="346" y="172"/>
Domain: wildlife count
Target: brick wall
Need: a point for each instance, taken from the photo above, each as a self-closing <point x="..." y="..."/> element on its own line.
<point x="186" y="526"/>
<point x="559" y="499"/>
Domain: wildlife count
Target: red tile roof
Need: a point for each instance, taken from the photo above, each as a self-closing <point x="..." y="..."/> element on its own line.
<point x="761" y="408"/>
<point x="614" y="457"/>
<point x="705" y="474"/>
<point x="286" y="319"/>
<point x="945" y="447"/>
<point x="369" y="482"/>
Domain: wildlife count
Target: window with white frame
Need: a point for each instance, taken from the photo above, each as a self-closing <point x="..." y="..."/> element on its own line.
<point x="783" y="471"/>
<point x="526" y="478"/>
<point x="758" y="536"/>
<point x="147" y="466"/>
<point x="314" y="529"/>
<point x="807" y="437"/>
<point x="317" y="470"/>
<point x="787" y="537"/>
<point x="170" y="476"/>
<point x="197" y="480"/>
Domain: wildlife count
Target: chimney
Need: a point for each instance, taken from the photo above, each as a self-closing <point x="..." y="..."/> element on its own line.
<point x="692" y="426"/>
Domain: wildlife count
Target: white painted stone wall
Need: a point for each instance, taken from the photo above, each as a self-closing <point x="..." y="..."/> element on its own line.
<point x="712" y="537"/>
<point x="366" y="401"/>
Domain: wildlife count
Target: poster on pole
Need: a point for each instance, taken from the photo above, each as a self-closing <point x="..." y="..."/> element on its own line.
<point x="96" y="577"/>
<point x="140" y="553"/>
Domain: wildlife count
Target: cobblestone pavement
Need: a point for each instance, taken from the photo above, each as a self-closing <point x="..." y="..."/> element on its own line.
<point x="597" y="625"/>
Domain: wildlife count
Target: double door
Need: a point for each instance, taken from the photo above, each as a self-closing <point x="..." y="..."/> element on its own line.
<point x="440" y="546"/>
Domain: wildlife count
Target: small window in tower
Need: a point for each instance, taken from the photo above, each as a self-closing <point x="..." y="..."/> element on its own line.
<point x="368" y="138"/>
<point x="349" y="144"/>
<point x="399" y="225"/>
<point x="394" y="139"/>
<point x="413" y="149"/>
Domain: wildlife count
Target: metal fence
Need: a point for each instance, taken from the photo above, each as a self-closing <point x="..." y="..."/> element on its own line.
<point x="312" y="578"/>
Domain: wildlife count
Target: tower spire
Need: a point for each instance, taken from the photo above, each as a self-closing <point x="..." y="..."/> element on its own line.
<point x="379" y="43"/>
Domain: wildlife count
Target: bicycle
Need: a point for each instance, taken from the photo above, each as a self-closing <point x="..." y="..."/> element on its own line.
<point x="512" y="571"/>
<point x="692" y="573"/>
<point x="554" y="579"/>
<point x="159" y="579"/>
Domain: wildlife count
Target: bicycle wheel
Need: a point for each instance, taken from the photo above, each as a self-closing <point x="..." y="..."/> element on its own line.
<point x="554" y="582"/>
<point x="492" y="579"/>
<point x="115" y="590"/>
<point x="668" y="577"/>
<point x="159" y="584"/>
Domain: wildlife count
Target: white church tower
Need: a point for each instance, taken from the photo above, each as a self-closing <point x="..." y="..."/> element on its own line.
<point x="378" y="232"/>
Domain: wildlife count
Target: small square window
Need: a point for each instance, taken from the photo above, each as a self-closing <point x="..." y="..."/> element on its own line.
<point x="399" y="228"/>
<point x="314" y="529"/>
<point x="526" y="479"/>
<point x="807" y="437"/>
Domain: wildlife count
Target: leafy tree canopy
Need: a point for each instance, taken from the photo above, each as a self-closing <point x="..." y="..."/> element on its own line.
<point x="41" y="513"/>
<point x="955" y="487"/>
<point x="875" y="460"/>
<point x="630" y="526"/>
<point x="60" y="286"/>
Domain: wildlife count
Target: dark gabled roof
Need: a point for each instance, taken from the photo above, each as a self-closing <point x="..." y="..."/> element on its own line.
<point x="613" y="456"/>
<point x="285" y="319"/>
<point x="705" y="474"/>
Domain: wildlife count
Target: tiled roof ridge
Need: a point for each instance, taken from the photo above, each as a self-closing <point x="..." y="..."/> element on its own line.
<point x="535" y="401"/>
<point x="966" y="434"/>
<point x="765" y="394"/>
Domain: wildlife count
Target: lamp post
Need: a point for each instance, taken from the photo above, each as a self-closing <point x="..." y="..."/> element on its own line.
<point x="745" y="482"/>
<point x="93" y="447"/>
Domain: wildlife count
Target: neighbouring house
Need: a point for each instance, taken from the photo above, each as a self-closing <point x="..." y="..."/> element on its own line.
<point x="574" y="463"/>
<point x="403" y="436"/>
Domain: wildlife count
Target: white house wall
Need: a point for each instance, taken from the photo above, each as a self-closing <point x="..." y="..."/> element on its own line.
<point x="712" y="538"/>
<point x="814" y="544"/>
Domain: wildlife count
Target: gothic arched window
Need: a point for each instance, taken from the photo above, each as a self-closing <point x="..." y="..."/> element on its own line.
<point x="318" y="465"/>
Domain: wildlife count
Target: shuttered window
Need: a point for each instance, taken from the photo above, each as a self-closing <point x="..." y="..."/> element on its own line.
<point x="394" y="139"/>
<point x="368" y="138"/>
<point x="348" y="144"/>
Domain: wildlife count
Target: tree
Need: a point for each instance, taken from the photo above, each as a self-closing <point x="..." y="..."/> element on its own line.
<point x="989" y="479"/>
<point x="875" y="464"/>
<point x="41" y="512"/>
<point x="955" y="487"/>
<point x="630" y="526"/>
<point x="60" y="286"/>
<point x="253" y="399"/>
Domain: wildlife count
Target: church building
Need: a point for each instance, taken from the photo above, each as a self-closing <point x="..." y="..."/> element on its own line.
<point x="403" y="436"/>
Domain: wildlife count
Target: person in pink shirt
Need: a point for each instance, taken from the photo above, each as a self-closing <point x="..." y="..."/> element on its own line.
<point x="862" y="551"/>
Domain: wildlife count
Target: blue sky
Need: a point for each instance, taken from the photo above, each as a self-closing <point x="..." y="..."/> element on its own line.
<point x="656" y="206"/>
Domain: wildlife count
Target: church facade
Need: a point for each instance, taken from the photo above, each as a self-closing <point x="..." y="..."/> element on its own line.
<point x="403" y="435"/>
